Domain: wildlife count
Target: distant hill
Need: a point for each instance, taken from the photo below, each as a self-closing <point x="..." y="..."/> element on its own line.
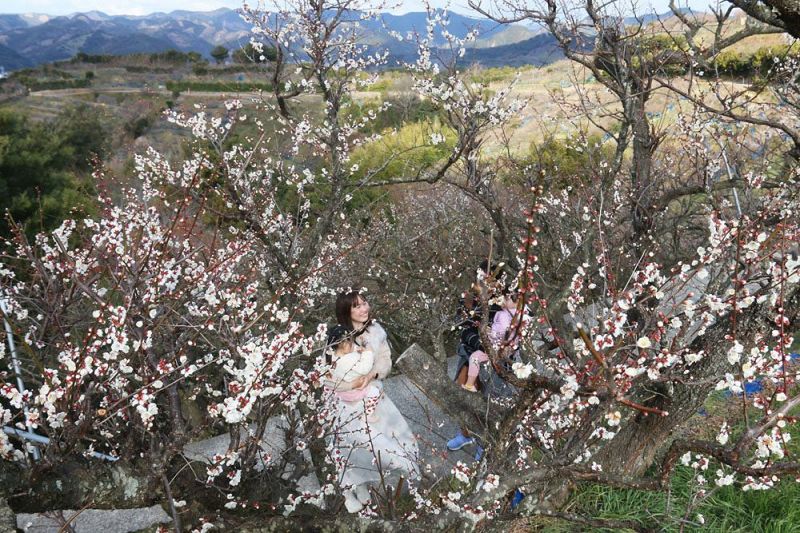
<point x="10" y="60"/>
<point x="649" y="18"/>
<point x="37" y="39"/>
<point x="55" y="39"/>
<point x="42" y="39"/>
<point x="509" y="35"/>
<point x="12" y="22"/>
<point x="104" y="43"/>
<point x="32" y="39"/>
<point x="539" y="50"/>
<point x="409" y="23"/>
<point x="63" y="37"/>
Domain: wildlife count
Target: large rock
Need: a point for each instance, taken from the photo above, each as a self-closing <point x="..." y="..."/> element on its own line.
<point x="73" y="483"/>
<point x="272" y="442"/>
<point x="430" y="424"/>
<point x="93" y="520"/>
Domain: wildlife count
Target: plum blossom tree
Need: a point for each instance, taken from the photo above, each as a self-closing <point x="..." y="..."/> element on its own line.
<point x="132" y="315"/>
<point x="777" y="13"/>
<point x="657" y="379"/>
<point x="193" y="286"/>
<point x="200" y="286"/>
<point x="610" y="381"/>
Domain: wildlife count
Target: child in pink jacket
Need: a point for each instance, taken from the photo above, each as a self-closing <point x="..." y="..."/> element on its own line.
<point x="500" y="328"/>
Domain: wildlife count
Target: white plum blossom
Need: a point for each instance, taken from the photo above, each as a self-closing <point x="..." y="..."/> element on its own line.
<point x="461" y="472"/>
<point x="522" y="370"/>
<point x="724" y="479"/>
<point x="491" y="482"/>
<point x="614" y="418"/>
<point x="735" y="353"/>
<point x="722" y="436"/>
<point x="644" y="342"/>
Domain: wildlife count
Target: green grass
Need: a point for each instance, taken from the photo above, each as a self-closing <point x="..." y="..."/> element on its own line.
<point x="487" y="75"/>
<point x="726" y="509"/>
<point x="49" y="85"/>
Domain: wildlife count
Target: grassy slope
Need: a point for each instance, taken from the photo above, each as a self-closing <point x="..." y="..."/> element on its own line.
<point x="552" y="92"/>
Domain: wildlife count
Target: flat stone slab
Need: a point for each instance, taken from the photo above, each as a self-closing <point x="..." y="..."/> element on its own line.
<point x="272" y="442"/>
<point x="94" y="520"/>
<point x="432" y="427"/>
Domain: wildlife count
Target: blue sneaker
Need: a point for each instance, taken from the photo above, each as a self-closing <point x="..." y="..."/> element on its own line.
<point x="478" y="452"/>
<point x="518" y="495"/>
<point x="459" y="441"/>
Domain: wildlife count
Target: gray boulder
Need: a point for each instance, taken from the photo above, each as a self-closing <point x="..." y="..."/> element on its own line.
<point x="93" y="520"/>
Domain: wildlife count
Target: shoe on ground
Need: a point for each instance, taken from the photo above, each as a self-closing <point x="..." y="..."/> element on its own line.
<point x="459" y="441"/>
<point x="469" y="388"/>
<point x="518" y="495"/>
<point x="478" y="452"/>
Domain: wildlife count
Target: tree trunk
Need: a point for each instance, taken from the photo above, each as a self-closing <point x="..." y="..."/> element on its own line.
<point x="784" y="14"/>
<point x="439" y="350"/>
<point x="640" y="439"/>
<point x="641" y="173"/>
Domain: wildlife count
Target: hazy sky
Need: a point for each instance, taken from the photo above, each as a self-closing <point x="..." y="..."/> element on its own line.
<point x="143" y="7"/>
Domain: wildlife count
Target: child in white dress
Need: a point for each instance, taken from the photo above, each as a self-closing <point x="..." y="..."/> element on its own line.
<point x="350" y="362"/>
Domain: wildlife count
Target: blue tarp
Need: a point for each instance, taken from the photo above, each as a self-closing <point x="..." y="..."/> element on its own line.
<point x="756" y="385"/>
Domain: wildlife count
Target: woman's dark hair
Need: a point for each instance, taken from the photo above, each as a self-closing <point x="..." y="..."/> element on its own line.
<point x="345" y="302"/>
<point x="336" y="335"/>
<point x="343" y="330"/>
<point x="511" y="290"/>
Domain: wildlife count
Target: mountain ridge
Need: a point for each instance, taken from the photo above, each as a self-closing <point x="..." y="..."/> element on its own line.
<point x="32" y="39"/>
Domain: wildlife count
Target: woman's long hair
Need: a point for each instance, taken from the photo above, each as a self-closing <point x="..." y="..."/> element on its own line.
<point x="344" y="307"/>
<point x="344" y="329"/>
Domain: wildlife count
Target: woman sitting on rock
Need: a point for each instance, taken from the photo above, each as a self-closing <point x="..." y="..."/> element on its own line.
<point x="369" y="432"/>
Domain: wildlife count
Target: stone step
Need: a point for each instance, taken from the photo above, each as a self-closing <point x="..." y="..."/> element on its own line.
<point x="272" y="442"/>
<point x="430" y="425"/>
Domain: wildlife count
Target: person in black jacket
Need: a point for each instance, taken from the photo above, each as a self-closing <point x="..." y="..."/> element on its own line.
<point x="469" y="316"/>
<point x="468" y="321"/>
